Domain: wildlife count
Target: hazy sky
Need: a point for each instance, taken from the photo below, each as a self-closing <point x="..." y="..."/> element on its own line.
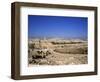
<point x="57" y="26"/>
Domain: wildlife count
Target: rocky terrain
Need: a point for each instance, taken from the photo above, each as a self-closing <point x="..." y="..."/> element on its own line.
<point x="57" y="52"/>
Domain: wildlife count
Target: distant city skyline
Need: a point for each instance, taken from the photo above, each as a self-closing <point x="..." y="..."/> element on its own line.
<point x="57" y="26"/>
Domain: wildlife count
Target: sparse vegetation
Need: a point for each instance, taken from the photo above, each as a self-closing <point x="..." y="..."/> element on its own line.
<point x="56" y="43"/>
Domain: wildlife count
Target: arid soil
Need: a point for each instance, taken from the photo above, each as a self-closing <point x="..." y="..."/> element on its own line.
<point x="57" y="52"/>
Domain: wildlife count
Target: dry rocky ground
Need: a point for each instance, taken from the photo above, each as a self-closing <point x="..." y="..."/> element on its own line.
<point x="57" y="52"/>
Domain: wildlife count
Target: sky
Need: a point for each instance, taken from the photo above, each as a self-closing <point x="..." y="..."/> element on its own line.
<point x="57" y="26"/>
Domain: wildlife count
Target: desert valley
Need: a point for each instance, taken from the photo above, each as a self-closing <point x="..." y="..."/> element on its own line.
<point x="57" y="51"/>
